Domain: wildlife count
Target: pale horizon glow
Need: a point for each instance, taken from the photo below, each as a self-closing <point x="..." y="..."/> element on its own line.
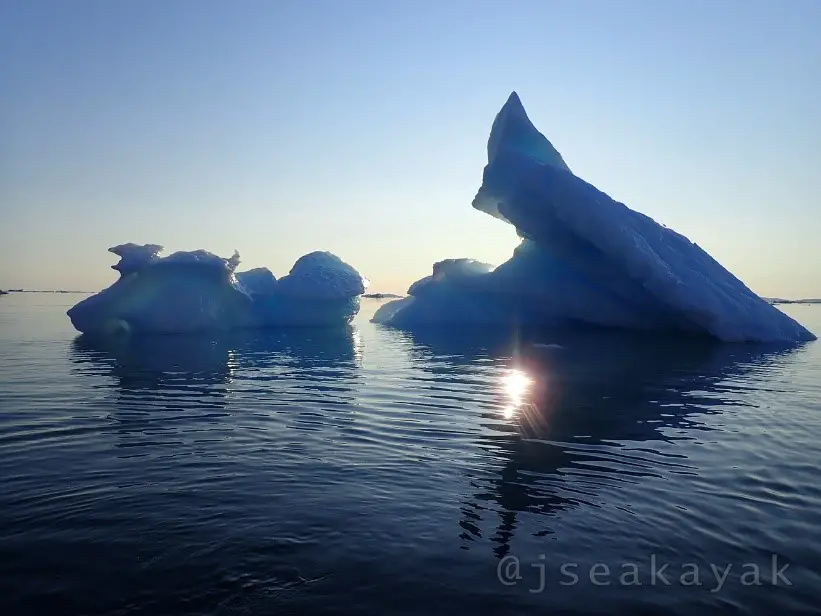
<point x="279" y="128"/>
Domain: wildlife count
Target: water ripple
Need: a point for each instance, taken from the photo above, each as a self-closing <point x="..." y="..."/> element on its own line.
<point x="353" y="469"/>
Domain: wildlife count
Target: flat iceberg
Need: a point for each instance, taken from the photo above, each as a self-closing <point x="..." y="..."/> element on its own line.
<point x="200" y="291"/>
<point x="584" y="260"/>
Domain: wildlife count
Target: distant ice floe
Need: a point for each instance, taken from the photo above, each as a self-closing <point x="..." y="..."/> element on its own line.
<point x="200" y="291"/>
<point x="585" y="259"/>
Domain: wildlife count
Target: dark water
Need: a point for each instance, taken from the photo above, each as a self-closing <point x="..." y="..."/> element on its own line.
<point x="370" y="471"/>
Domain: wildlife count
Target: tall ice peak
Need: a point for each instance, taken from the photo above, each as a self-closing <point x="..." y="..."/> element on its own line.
<point x="512" y="131"/>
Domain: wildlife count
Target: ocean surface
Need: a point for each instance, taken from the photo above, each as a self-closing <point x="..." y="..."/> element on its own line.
<point x="372" y="471"/>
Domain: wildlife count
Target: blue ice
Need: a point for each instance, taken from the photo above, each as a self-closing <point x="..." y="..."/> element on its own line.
<point x="584" y="260"/>
<point x="200" y="291"/>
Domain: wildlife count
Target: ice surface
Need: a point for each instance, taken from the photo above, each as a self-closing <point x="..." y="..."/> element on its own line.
<point x="134" y="256"/>
<point x="322" y="275"/>
<point x="513" y="133"/>
<point x="200" y="291"/>
<point x="584" y="259"/>
<point x="451" y="271"/>
<point x="257" y="281"/>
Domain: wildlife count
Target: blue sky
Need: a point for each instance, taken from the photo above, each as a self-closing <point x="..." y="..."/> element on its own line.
<point x="280" y="127"/>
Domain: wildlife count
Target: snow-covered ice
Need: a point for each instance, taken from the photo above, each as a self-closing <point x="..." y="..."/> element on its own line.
<point x="200" y="291"/>
<point x="584" y="259"/>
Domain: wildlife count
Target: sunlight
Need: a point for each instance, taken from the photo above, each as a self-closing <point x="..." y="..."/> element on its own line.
<point x="358" y="345"/>
<point x="516" y="384"/>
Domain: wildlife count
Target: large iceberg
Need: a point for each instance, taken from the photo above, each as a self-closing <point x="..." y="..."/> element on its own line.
<point x="584" y="260"/>
<point x="200" y="291"/>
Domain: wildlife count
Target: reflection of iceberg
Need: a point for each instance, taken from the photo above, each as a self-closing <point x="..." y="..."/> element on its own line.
<point x="177" y="384"/>
<point x="199" y="291"/>
<point x="584" y="258"/>
<point x="154" y="361"/>
<point x="594" y="415"/>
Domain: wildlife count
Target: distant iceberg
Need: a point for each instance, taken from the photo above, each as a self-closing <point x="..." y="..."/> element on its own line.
<point x="584" y="260"/>
<point x="200" y="291"/>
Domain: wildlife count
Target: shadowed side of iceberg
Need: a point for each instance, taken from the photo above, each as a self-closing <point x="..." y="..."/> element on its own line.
<point x="588" y="259"/>
<point x="532" y="288"/>
<point x="198" y="291"/>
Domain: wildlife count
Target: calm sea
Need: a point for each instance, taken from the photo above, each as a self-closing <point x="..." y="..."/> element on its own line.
<point x="370" y="471"/>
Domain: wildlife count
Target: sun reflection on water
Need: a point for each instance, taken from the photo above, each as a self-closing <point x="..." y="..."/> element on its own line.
<point x="358" y="346"/>
<point x="516" y="383"/>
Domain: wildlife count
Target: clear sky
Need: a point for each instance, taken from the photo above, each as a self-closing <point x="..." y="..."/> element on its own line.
<point x="278" y="127"/>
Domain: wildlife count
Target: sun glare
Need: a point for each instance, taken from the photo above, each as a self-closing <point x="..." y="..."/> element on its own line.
<point x="516" y="384"/>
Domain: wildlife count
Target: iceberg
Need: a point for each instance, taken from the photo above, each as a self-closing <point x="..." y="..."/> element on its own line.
<point x="585" y="260"/>
<point x="199" y="291"/>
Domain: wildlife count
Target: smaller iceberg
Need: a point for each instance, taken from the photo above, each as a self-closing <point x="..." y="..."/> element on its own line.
<point x="585" y="260"/>
<point x="198" y="291"/>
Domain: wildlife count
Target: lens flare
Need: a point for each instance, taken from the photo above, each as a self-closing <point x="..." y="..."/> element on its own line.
<point x="516" y="384"/>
